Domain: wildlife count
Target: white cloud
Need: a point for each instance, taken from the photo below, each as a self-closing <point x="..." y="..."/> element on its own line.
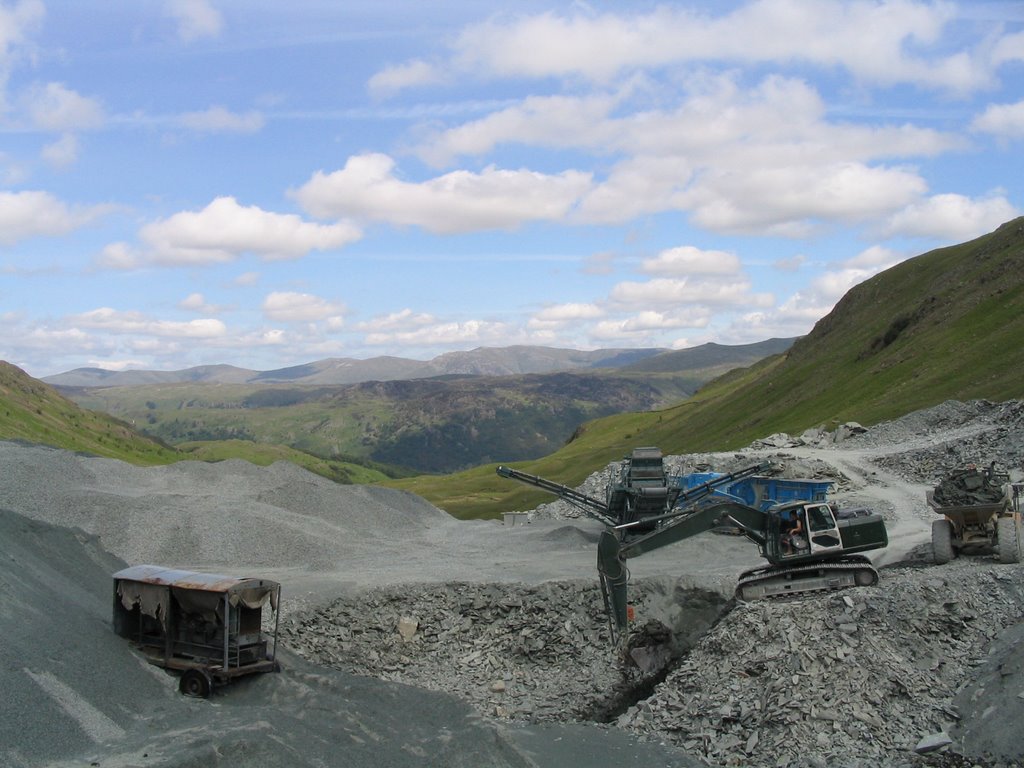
<point x="875" y="258"/>
<point x="196" y="302"/>
<point x="18" y="22"/>
<point x="636" y="187"/>
<point x="397" y="321"/>
<point x="711" y="119"/>
<point x="54" y="107"/>
<point x="195" y="18"/>
<point x="63" y="152"/>
<point x="290" y="307"/>
<point x="224" y="230"/>
<point x="247" y="278"/>
<point x="765" y="159"/>
<point x="788" y="200"/>
<point x="538" y="120"/>
<point x="1003" y="120"/>
<point x="951" y="217"/>
<point x="461" y="201"/>
<point x="119" y="255"/>
<point x="396" y="78"/>
<point x="878" y="42"/>
<point x="56" y="340"/>
<point x="643" y="326"/>
<point x="560" y="315"/>
<point x="218" y="119"/>
<point x="1009" y="48"/>
<point x="445" y="334"/>
<point x="673" y="292"/>
<point x="120" y="322"/>
<point x="39" y="214"/>
<point x="687" y="260"/>
<point x="791" y="264"/>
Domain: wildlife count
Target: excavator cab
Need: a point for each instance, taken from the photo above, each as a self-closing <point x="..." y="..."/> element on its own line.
<point x="823" y="529"/>
<point x="799" y="530"/>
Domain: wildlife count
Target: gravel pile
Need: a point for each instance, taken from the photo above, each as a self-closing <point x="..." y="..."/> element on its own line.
<point x="192" y="513"/>
<point x="979" y="433"/>
<point x="391" y="605"/>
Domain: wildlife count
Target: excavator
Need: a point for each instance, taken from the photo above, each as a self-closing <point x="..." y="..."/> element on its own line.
<point x="810" y="545"/>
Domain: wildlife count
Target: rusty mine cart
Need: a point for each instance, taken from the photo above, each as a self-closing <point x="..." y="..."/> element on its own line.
<point x="206" y="627"/>
<point x="980" y="511"/>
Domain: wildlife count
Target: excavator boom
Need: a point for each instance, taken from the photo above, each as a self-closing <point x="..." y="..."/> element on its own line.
<point x="646" y="509"/>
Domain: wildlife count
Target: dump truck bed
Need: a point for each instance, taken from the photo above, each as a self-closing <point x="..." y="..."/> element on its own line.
<point x="984" y="510"/>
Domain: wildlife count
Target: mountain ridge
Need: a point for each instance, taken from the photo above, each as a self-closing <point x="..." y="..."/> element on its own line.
<point x="944" y="325"/>
<point x="482" y="361"/>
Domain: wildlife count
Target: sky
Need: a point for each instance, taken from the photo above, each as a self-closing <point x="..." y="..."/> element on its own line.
<point x="264" y="184"/>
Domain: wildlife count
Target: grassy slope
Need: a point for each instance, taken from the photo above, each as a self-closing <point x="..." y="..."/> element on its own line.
<point x="36" y="413"/>
<point x="945" y="325"/>
<point x="396" y="423"/>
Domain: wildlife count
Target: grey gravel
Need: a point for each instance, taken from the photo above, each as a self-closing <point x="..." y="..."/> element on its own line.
<point x="416" y="639"/>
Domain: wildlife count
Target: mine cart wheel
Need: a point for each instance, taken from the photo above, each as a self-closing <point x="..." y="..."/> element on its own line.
<point x="195" y="683"/>
<point x="942" y="541"/>
<point x="1007" y="541"/>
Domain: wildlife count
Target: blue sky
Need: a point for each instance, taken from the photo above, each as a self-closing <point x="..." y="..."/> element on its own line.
<point x="189" y="182"/>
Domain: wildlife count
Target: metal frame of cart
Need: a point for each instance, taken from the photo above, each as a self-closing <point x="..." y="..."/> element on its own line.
<point x="207" y="627"/>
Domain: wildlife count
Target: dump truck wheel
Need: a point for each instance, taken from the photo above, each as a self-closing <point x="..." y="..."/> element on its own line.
<point x="942" y="541"/>
<point x="1007" y="540"/>
<point x="195" y="684"/>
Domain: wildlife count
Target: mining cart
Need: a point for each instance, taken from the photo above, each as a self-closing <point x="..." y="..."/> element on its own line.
<point x="205" y="627"/>
<point x="980" y="511"/>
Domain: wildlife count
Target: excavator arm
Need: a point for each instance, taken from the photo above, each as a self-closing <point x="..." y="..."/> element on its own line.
<point x="613" y="551"/>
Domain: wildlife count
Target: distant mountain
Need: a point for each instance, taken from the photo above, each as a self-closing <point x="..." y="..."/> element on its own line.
<point x="708" y="357"/>
<point x="483" y="361"/>
<point x="945" y="325"/>
<point x="458" y="410"/>
<point x="101" y="377"/>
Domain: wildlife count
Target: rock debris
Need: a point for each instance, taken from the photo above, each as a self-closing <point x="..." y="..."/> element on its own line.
<point x="923" y="669"/>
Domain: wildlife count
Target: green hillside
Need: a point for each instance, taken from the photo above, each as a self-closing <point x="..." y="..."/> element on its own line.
<point x="434" y="425"/>
<point x="34" y="412"/>
<point x="945" y="325"/>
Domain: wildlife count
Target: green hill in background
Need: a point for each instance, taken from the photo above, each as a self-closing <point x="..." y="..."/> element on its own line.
<point x="34" y="412"/>
<point x="435" y="424"/>
<point x="945" y="325"/>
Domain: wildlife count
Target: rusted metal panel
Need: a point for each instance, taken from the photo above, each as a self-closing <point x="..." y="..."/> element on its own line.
<point x="206" y="582"/>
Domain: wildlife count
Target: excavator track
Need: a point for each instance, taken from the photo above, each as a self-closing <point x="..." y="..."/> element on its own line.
<point x="774" y="582"/>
